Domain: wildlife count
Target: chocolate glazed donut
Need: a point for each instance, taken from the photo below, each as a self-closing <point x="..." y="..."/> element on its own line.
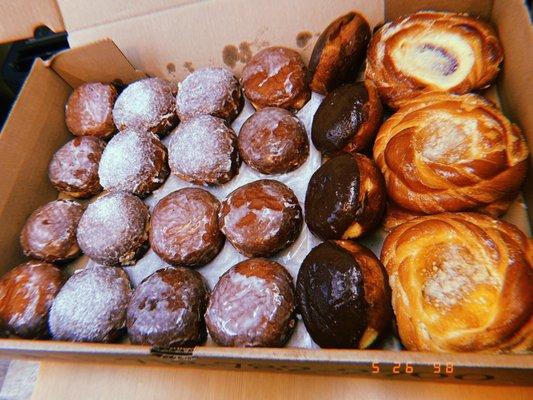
<point x="347" y="119"/>
<point x="345" y="198"/>
<point x="338" y="53"/>
<point x="343" y="295"/>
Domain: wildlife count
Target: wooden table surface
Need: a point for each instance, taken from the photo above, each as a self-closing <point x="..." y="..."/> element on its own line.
<point x="62" y="380"/>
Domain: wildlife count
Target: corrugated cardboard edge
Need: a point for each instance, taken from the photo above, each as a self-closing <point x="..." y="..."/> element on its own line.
<point x="472" y="368"/>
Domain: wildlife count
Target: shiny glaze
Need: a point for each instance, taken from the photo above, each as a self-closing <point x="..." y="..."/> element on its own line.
<point x="184" y="228"/>
<point x="167" y="309"/>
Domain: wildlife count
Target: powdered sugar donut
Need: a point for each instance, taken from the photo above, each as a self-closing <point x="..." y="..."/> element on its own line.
<point x="213" y="91"/>
<point x="26" y="295"/>
<point x="184" y="228"/>
<point x="203" y="150"/>
<point x="167" y="309"/>
<point x="252" y="305"/>
<point x="134" y="162"/>
<point x="49" y="234"/>
<point x="74" y="167"/>
<point x="147" y="105"/>
<point x="114" y="229"/>
<point x="89" y="110"/>
<point x="261" y="218"/>
<point x="91" y="306"/>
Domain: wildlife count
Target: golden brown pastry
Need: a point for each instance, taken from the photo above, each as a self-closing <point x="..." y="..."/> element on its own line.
<point x="396" y="215"/>
<point x="461" y="282"/>
<point x="444" y="152"/>
<point x="430" y="51"/>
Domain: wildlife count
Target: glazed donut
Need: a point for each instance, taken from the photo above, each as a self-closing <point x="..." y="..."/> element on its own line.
<point x="338" y="53"/>
<point x="343" y="295"/>
<point x="26" y="295"/>
<point x="213" y="91"/>
<point x="135" y="162"/>
<point x="347" y="119"/>
<point x="443" y="152"/>
<point x="91" y="306"/>
<point x="49" y="234"/>
<point x="461" y="282"/>
<point x="429" y="51"/>
<point x="114" y="229"/>
<point x="167" y="309"/>
<point x="89" y="110"/>
<point x="74" y="167"/>
<point x="184" y="228"/>
<point x="147" y="105"/>
<point x="261" y="218"/>
<point x="252" y="305"/>
<point x="203" y="150"/>
<point x="273" y="141"/>
<point x="275" y="77"/>
<point x="345" y="198"/>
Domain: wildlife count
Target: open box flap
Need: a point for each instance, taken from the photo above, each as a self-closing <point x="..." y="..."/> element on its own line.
<point x="22" y="17"/>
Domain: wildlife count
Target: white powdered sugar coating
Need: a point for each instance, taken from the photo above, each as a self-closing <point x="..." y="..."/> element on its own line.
<point x="145" y="104"/>
<point x="452" y="279"/>
<point x="207" y="91"/>
<point x="132" y="161"/>
<point x="91" y="306"/>
<point x="113" y="228"/>
<point x="203" y="150"/>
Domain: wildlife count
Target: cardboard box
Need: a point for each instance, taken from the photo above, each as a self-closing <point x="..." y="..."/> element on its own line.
<point x="167" y="38"/>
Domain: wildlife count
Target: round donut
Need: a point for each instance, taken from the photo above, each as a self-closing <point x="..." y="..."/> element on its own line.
<point x="184" y="228"/>
<point x="114" y="229"/>
<point x="74" y="167"/>
<point x="273" y="141"/>
<point x="252" y="305"/>
<point x="89" y="110"/>
<point x="275" y="77"/>
<point x="345" y="198"/>
<point x="147" y="105"/>
<point x="343" y="295"/>
<point x="49" y="234"/>
<point x="134" y="162"/>
<point x="261" y="218"/>
<point x="167" y="309"/>
<point x="347" y="119"/>
<point x="26" y="295"/>
<point x="91" y="306"/>
<point x="203" y="150"/>
<point x="213" y="91"/>
<point x="339" y="53"/>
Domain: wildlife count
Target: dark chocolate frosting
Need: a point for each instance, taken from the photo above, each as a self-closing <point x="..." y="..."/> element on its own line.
<point x="339" y="117"/>
<point x="331" y="201"/>
<point x="330" y="294"/>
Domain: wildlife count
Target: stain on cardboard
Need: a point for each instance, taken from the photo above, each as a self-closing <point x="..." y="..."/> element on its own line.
<point x="230" y="55"/>
<point x="303" y="38"/>
<point x="188" y="66"/>
<point x="245" y="52"/>
<point x="171" y="68"/>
